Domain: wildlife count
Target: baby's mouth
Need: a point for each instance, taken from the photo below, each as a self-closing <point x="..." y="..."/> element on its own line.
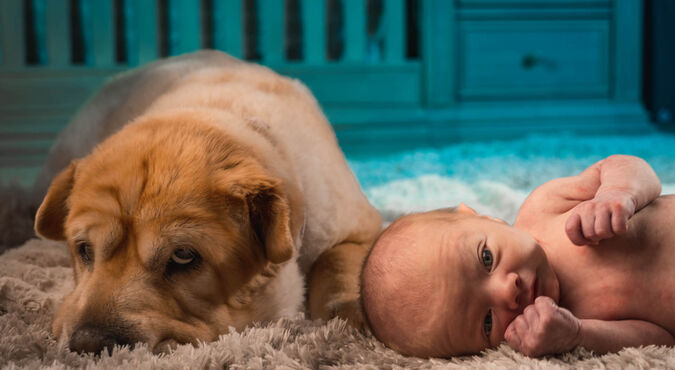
<point x="535" y="289"/>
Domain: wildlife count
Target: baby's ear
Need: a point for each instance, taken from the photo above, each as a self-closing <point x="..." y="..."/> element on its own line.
<point x="496" y="219"/>
<point x="464" y="209"/>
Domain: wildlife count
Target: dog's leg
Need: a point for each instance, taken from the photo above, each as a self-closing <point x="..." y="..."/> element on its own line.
<point x="333" y="284"/>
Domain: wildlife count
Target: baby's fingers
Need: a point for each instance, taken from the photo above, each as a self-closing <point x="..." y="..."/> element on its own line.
<point x="603" y="225"/>
<point x="619" y="220"/>
<point x="574" y="230"/>
<point x="512" y="337"/>
<point x="588" y="226"/>
<point x="514" y="333"/>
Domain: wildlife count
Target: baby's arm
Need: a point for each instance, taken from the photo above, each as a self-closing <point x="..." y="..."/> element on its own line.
<point x="626" y="185"/>
<point x="611" y="336"/>
<point x="546" y="328"/>
<point x="602" y="198"/>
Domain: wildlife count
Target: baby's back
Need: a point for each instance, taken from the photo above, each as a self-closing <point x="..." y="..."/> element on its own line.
<point x="626" y="277"/>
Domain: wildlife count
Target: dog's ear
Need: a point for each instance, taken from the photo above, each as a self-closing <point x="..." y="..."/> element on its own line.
<point x="269" y="212"/>
<point x="270" y="219"/>
<point x="51" y="216"/>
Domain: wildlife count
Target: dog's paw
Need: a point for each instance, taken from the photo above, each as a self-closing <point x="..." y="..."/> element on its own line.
<point x="349" y="310"/>
<point x="165" y="347"/>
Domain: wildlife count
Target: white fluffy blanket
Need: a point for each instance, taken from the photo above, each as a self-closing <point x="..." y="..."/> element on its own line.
<point x="34" y="277"/>
<point x="494" y="178"/>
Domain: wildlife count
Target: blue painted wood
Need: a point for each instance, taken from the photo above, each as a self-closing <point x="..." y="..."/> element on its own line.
<point x="395" y="34"/>
<point x="347" y="85"/>
<point x="228" y="27"/>
<point x="86" y="25"/>
<point x="461" y="88"/>
<point x="12" y="41"/>
<point x="439" y="53"/>
<point x="539" y="3"/>
<point x="627" y="50"/>
<point x="354" y="30"/>
<point x="144" y="43"/>
<point x="508" y="59"/>
<point x="99" y="33"/>
<point x="271" y="31"/>
<point x="313" y="14"/>
<point x="130" y="32"/>
<point x="40" y="20"/>
<point x="184" y="26"/>
<point x="533" y="13"/>
<point x="57" y="33"/>
<point x="530" y="10"/>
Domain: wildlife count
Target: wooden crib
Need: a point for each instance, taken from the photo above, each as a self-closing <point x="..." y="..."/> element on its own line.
<point x="389" y="73"/>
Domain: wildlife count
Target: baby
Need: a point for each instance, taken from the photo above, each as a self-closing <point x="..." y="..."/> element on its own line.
<point x="590" y="262"/>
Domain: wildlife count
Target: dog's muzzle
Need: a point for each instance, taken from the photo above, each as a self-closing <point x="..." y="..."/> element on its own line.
<point x="94" y="339"/>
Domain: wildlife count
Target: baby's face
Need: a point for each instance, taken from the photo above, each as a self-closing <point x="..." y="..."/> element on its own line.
<point x="486" y="272"/>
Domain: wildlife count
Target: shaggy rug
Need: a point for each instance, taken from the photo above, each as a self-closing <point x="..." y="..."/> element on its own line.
<point x="493" y="177"/>
<point x="35" y="276"/>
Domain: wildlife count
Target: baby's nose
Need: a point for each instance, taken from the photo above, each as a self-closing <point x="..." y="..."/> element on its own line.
<point x="510" y="291"/>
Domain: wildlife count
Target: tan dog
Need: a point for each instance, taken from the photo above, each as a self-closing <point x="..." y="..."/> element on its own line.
<point x="208" y="187"/>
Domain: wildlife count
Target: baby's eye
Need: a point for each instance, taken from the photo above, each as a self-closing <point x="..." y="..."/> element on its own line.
<point x="487" y="324"/>
<point x="487" y="259"/>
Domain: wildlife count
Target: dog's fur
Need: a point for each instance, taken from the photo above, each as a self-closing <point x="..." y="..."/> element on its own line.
<point x="220" y="159"/>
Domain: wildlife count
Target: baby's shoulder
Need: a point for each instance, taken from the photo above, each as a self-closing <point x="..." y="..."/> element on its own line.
<point x="540" y="209"/>
<point x="554" y="199"/>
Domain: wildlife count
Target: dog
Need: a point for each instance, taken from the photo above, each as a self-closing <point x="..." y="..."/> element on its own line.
<point x="199" y="193"/>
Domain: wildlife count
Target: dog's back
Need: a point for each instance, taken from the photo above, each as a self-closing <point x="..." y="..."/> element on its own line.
<point x="120" y="100"/>
<point x="280" y="108"/>
<point x="286" y="113"/>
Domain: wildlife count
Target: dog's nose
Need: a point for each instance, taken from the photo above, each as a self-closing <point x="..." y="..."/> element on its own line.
<point x="92" y="339"/>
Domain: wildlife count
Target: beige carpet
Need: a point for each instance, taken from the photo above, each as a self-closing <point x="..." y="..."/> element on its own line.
<point x="35" y="276"/>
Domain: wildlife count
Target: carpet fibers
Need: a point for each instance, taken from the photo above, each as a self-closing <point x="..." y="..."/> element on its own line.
<point x="34" y="277"/>
<point x="492" y="177"/>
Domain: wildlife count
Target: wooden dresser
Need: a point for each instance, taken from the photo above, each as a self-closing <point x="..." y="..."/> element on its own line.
<point x="390" y="74"/>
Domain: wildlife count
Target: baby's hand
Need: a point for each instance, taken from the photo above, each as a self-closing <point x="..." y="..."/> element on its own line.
<point x="543" y="328"/>
<point x="602" y="217"/>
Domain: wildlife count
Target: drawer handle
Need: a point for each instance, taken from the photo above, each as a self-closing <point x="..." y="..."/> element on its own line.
<point x="530" y="61"/>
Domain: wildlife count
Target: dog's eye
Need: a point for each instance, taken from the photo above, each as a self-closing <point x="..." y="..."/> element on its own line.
<point x="182" y="260"/>
<point x="85" y="251"/>
<point x="183" y="256"/>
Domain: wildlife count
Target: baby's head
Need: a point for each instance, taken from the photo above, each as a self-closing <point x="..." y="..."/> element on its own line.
<point x="448" y="282"/>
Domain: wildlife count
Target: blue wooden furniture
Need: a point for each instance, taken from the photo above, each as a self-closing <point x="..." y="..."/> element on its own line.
<point x="389" y="73"/>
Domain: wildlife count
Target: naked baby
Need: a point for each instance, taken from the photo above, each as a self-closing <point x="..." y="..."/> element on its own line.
<point x="589" y="261"/>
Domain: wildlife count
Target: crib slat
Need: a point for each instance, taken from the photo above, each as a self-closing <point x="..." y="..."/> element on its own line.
<point x="39" y="22"/>
<point x="394" y="42"/>
<point x="99" y="21"/>
<point x="227" y="26"/>
<point x="57" y="33"/>
<point x="184" y="26"/>
<point x="145" y="22"/>
<point x="12" y="42"/>
<point x="129" y="31"/>
<point x="314" y="31"/>
<point x="355" y="30"/>
<point x="271" y="30"/>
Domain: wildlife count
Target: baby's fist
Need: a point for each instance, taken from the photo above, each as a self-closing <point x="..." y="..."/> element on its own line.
<point x="602" y="217"/>
<point x="543" y="328"/>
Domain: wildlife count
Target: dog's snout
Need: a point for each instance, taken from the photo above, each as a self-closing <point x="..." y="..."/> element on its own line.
<point x="92" y="339"/>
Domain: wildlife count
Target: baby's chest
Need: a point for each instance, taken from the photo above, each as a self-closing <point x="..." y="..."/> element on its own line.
<point x="603" y="297"/>
<point x="616" y="286"/>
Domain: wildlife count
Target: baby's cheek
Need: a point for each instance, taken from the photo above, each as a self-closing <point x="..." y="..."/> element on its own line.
<point x="501" y="336"/>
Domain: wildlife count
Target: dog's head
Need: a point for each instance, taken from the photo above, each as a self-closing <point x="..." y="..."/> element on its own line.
<point x="172" y="229"/>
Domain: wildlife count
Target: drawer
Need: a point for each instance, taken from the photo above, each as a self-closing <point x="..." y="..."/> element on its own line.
<point x="533" y="59"/>
<point x="521" y="3"/>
